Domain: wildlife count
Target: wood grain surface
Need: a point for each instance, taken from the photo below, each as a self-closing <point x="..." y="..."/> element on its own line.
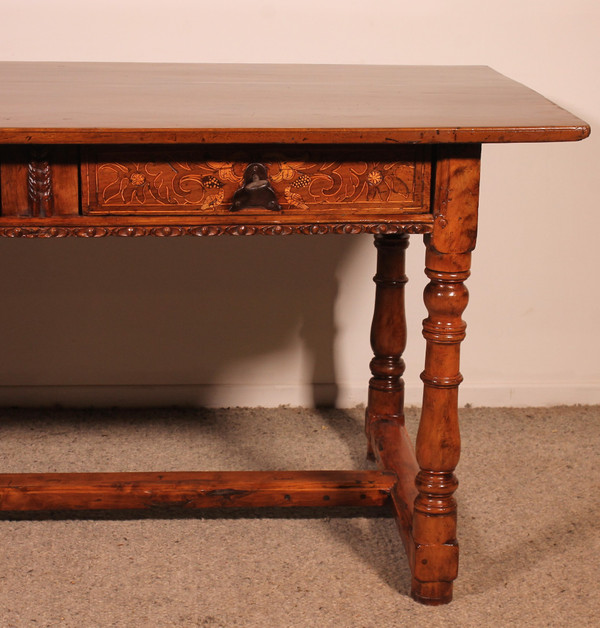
<point x="59" y="191"/>
<point x="203" y="180"/>
<point x="167" y="103"/>
<point x="201" y="489"/>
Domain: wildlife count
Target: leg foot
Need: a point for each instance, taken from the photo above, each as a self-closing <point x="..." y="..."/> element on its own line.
<point x="431" y="593"/>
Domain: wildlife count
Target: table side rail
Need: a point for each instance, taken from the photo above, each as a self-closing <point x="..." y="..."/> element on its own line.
<point x="158" y="190"/>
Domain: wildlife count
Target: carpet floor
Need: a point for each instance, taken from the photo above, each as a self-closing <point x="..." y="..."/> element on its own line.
<point x="529" y="514"/>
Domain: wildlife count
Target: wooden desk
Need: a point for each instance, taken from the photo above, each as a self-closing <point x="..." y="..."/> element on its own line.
<point x="121" y="149"/>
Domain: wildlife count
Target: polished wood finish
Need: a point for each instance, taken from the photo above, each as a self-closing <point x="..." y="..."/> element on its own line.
<point x="391" y="446"/>
<point x="361" y="168"/>
<point x="226" y="489"/>
<point x="127" y="103"/>
<point x="191" y="190"/>
<point x="237" y="225"/>
<point x="388" y="334"/>
<point x="14" y="166"/>
<point x="447" y="263"/>
<point x="371" y="180"/>
<point x="39" y="182"/>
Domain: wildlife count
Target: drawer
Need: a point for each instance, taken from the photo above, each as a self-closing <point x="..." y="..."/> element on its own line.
<point x="339" y="183"/>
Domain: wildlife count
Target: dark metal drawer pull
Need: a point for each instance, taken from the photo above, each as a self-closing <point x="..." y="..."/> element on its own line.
<point x="256" y="190"/>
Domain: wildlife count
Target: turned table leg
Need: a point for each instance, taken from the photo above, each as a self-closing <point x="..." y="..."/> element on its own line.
<point x="388" y="335"/>
<point x="448" y="260"/>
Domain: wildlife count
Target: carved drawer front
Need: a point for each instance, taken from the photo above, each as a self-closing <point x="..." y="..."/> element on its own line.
<point x="339" y="183"/>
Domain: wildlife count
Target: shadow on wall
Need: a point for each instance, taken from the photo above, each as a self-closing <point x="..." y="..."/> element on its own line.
<point x="174" y="312"/>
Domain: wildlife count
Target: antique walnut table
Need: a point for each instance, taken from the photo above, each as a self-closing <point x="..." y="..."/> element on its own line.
<point x="90" y="150"/>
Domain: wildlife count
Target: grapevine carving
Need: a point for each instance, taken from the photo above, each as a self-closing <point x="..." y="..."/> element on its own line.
<point x="119" y="182"/>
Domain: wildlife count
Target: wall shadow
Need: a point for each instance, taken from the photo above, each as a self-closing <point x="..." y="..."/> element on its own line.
<point x="179" y="311"/>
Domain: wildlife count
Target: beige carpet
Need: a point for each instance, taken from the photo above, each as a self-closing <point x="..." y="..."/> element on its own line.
<point x="529" y="508"/>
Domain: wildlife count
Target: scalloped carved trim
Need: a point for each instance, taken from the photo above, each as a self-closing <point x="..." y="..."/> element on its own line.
<point x="209" y="230"/>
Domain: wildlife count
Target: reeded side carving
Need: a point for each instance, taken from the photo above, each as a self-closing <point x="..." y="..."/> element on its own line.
<point x="39" y="184"/>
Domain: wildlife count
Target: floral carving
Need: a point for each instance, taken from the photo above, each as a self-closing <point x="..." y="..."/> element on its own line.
<point x="122" y="181"/>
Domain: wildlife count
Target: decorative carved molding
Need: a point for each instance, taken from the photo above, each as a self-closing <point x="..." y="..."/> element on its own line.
<point x="39" y="184"/>
<point x="208" y="230"/>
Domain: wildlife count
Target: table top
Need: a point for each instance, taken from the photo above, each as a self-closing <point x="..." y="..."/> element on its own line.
<point x="167" y="103"/>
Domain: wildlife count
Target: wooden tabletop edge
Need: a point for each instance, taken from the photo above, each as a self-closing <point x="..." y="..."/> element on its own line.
<point x="240" y="135"/>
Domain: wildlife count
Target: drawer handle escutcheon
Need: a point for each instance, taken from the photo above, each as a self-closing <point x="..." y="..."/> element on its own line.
<point x="256" y="190"/>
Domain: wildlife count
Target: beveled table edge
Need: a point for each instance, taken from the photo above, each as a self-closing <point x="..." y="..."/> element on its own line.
<point x="426" y="135"/>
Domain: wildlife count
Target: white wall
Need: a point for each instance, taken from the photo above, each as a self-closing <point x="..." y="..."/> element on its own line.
<point x="187" y="320"/>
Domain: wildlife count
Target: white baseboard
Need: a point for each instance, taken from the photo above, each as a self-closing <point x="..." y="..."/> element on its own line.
<point x="344" y="396"/>
<point x="519" y="395"/>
